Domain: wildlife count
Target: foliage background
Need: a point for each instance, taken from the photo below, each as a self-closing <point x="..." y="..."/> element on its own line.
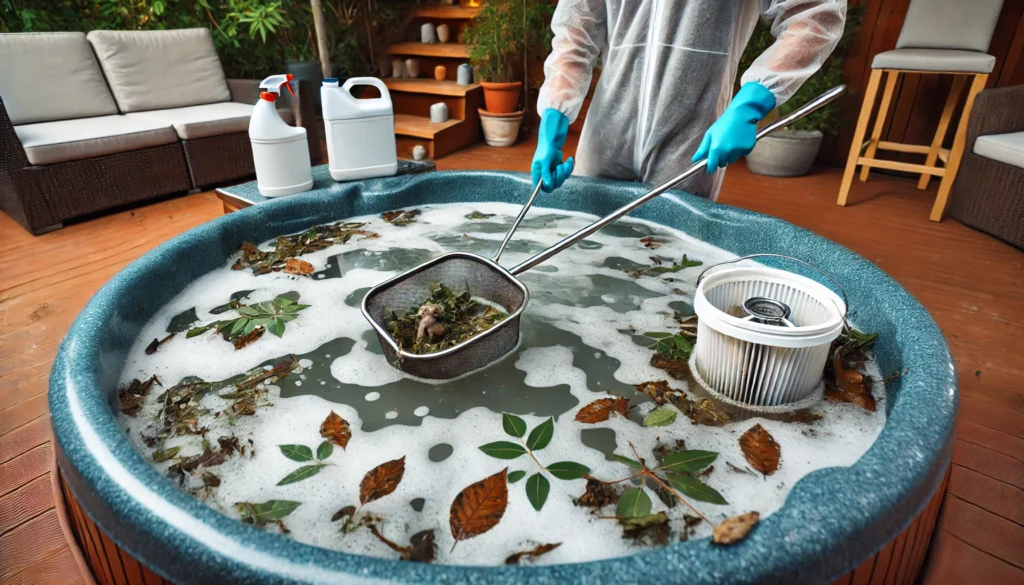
<point x="253" y="37"/>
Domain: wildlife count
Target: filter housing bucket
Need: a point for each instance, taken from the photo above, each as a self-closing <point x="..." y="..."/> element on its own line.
<point x="763" y="364"/>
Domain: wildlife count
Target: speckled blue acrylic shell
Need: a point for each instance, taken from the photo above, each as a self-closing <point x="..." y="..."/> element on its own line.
<point x="833" y="519"/>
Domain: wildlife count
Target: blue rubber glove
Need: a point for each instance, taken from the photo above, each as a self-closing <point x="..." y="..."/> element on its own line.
<point x="733" y="135"/>
<point x="547" y="161"/>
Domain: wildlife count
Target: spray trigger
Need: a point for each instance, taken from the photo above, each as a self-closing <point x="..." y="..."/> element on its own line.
<point x="274" y="82"/>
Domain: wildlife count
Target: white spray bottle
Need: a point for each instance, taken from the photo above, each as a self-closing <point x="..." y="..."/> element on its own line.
<point x="279" y="151"/>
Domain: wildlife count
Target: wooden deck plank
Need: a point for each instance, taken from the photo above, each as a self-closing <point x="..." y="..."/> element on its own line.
<point x="1000" y="498"/>
<point x="989" y="438"/>
<point x="23" y="412"/>
<point x="24" y="438"/>
<point x="58" y="568"/>
<point x="30" y="543"/>
<point x="989" y="462"/>
<point x="992" y="416"/>
<point x="25" y="503"/>
<point x="24" y="468"/>
<point x="952" y="561"/>
<point x="984" y="530"/>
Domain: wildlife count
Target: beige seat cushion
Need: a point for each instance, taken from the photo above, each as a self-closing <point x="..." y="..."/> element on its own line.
<point x="51" y="76"/>
<point x="65" y="140"/>
<point x="935" y="60"/>
<point x="155" y="70"/>
<point x="194" y="122"/>
<point x="1005" y="148"/>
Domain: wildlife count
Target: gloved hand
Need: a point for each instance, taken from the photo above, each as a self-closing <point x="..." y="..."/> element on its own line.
<point x="733" y="135"/>
<point x="547" y="161"/>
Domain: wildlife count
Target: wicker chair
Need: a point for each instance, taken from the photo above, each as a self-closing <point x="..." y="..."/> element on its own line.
<point x="989" y="194"/>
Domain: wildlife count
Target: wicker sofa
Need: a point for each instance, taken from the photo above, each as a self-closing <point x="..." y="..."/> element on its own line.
<point x="93" y="122"/>
<point x="989" y="190"/>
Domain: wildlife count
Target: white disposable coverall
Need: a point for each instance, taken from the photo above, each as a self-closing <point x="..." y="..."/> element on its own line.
<point x="668" y="70"/>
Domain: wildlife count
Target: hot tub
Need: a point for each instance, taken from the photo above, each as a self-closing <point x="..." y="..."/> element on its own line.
<point x="833" y="520"/>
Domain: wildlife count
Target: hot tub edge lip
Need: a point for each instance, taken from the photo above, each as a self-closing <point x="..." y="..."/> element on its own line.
<point x="940" y="375"/>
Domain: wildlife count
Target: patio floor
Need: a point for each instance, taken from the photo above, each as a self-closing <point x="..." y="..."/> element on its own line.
<point x="972" y="284"/>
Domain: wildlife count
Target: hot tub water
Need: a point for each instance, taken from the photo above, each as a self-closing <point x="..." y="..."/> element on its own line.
<point x="577" y="345"/>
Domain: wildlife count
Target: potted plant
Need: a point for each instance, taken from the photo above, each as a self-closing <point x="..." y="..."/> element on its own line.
<point x="791" y="151"/>
<point x="500" y="39"/>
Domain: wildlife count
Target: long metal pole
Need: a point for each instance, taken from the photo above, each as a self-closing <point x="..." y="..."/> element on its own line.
<point x="786" y="120"/>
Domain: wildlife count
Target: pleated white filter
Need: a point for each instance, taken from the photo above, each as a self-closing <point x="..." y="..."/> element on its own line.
<point x="755" y="363"/>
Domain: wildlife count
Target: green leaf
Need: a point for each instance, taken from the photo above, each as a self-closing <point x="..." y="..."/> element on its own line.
<point x="304" y="472"/>
<point x="297" y="452"/>
<point x="516" y="476"/>
<point x="634" y="502"/>
<point x="165" y="454"/>
<point x="689" y="460"/>
<point x="276" y="327"/>
<point x="269" y="511"/>
<point x="250" y="311"/>
<point x="513" y="425"/>
<point x="541" y="436"/>
<point x="695" y="488"/>
<point x="660" y="417"/>
<point x="182" y="321"/>
<point x="537" y="488"/>
<point x="503" y="450"/>
<point x="199" y="330"/>
<point x="687" y="263"/>
<point x="324" y="450"/>
<point x="683" y="343"/>
<point x="628" y="461"/>
<point x="568" y="470"/>
<point x="657" y="334"/>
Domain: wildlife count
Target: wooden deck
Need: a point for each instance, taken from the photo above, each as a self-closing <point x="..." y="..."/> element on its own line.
<point x="971" y="283"/>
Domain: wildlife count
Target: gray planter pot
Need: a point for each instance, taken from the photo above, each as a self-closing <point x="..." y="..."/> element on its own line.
<point x="788" y="153"/>
<point x="308" y="70"/>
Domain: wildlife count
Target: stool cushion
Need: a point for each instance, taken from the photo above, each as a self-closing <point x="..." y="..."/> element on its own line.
<point x="1005" y="148"/>
<point x="946" y="60"/>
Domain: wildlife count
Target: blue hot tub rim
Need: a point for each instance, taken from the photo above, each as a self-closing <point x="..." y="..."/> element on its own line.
<point x="833" y="518"/>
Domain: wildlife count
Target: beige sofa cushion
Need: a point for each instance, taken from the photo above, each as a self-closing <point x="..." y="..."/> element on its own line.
<point x="51" y="76"/>
<point x="65" y="140"/>
<point x="154" y="70"/>
<point x="194" y="122"/>
<point x="1005" y="148"/>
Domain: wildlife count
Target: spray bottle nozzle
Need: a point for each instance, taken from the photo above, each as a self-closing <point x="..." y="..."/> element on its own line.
<point x="274" y="82"/>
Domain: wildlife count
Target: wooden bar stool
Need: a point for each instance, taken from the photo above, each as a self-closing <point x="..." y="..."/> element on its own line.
<point x="938" y="36"/>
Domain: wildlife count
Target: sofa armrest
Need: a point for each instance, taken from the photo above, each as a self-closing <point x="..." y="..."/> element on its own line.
<point x="996" y="111"/>
<point x="12" y="153"/>
<point x="303" y="107"/>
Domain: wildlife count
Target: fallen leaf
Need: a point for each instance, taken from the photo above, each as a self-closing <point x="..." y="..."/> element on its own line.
<point x="734" y="528"/>
<point x="298" y="267"/>
<point x="165" y="454"/>
<point x="304" y="472"/>
<point x="601" y="409"/>
<point x="695" y="488"/>
<point x="850" y="386"/>
<point x="677" y="367"/>
<point x="269" y="511"/>
<point x="479" y="507"/>
<point x="210" y="480"/>
<point x="478" y="215"/>
<point x="634" y="502"/>
<point x="248" y="338"/>
<point x="132" y="396"/>
<point x="156" y="343"/>
<point x="532" y="554"/>
<point x="423" y="549"/>
<point x="650" y="242"/>
<point x="400" y="217"/>
<point x="660" y="417"/>
<point x="760" y="449"/>
<point x="381" y="480"/>
<point x="516" y="476"/>
<point x="660" y="392"/>
<point x="740" y="469"/>
<point x="689" y="461"/>
<point x="346" y="512"/>
<point x="568" y="470"/>
<point x="650" y="530"/>
<point x="537" y="489"/>
<point x="336" y="430"/>
<point x="598" y="495"/>
<point x="705" y="413"/>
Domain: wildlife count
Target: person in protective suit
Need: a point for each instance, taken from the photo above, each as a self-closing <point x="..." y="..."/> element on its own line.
<point x="667" y="75"/>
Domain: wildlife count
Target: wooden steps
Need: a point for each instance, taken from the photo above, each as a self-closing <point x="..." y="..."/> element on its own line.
<point x="446" y="12"/>
<point x="429" y="86"/>
<point x="442" y="50"/>
<point x="439" y="139"/>
<point x="420" y="126"/>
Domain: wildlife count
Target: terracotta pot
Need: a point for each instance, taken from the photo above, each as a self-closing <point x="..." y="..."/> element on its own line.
<point x="500" y="129"/>
<point x="501" y="98"/>
<point x="440" y="72"/>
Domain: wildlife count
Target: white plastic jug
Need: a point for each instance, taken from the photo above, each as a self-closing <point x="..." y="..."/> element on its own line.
<point x="279" y="151"/>
<point x="360" y="133"/>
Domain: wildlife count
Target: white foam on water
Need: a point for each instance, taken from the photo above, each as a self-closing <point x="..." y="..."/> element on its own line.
<point x="840" y="438"/>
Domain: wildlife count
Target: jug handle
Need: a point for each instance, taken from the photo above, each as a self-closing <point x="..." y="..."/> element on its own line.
<point x="354" y="81"/>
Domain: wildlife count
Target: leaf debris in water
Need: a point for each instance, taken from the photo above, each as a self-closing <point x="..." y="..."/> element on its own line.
<point x="660" y="417"/>
<point x="601" y="409"/>
<point x="650" y="242"/>
<point x="381" y="480"/>
<point x="760" y="449"/>
<point x="312" y="240"/>
<point x="649" y="530"/>
<point x="156" y="343"/>
<point x="532" y="554"/>
<point x="131" y="397"/>
<point x="478" y="215"/>
<point x="336" y="430"/>
<point x="443" y="320"/>
<point x="843" y="383"/>
<point x="298" y="267"/>
<point x="734" y="528"/>
<point x="400" y="217"/>
<point x="659" y="268"/>
<point x="255" y="319"/>
<point x="598" y="495"/>
<point x="479" y="507"/>
<point x="261" y="514"/>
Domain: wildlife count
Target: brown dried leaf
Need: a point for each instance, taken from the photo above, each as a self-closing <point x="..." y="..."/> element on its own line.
<point x="760" y="449"/>
<point x="851" y="387"/>
<point x="156" y="343"/>
<point x="336" y="430"/>
<point x="598" y="495"/>
<point x="244" y="340"/>
<point x="660" y="392"/>
<point x="531" y="555"/>
<point x="298" y="267"/>
<point x="132" y="396"/>
<point x="479" y="507"/>
<point x="735" y="528"/>
<point x="678" y="368"/>
<point x="650" y="242"/>
<point x="706" y="412"/>
<point x="602" y="408"/>
<point x="381" y="480"/>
